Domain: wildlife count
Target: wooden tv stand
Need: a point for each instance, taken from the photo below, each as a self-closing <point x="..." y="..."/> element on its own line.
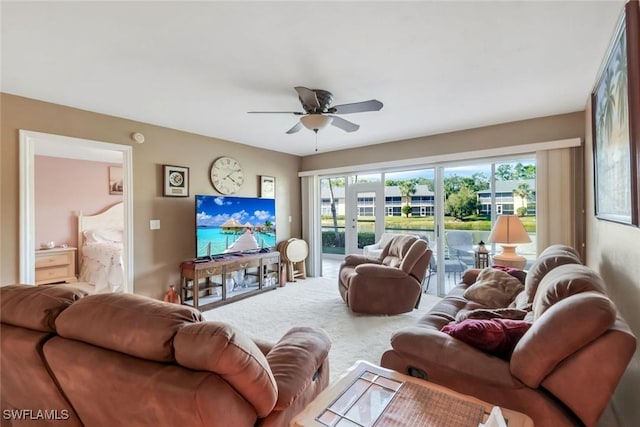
<point x="203" y="285"/>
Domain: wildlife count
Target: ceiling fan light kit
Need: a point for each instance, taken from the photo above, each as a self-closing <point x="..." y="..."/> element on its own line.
<point x="318" y="112"/>
<point x="315" y="122"/>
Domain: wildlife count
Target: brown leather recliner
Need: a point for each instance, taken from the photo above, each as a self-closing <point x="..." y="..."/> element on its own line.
<point x="115" y="359"/>
<point x="391" y="284"/>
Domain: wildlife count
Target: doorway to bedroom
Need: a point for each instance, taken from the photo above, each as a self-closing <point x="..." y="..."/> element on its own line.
<point x="60" y="179"/>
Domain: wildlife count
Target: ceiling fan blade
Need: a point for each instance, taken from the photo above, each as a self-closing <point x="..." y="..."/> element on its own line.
<point x="343" y="124"/>
<point x="295" y="129"/>
<point x="357" y="107"/>
<point x="308" y="97"/>
<point x="297" y="113"/>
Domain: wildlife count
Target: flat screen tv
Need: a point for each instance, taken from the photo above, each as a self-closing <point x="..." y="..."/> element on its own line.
<point x="227" y="224"/>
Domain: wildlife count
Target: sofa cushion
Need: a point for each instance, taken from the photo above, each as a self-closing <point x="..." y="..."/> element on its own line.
<point x="495" y="336"/>
<point x="218" y="347"/>
<point x="564" y="281"/>
<point x="494" y="288"/>
<point x="546" y="262"/>
<point x="396" y="249"/>
<point x="131" y="324"/>
<point x="36" y="307"/>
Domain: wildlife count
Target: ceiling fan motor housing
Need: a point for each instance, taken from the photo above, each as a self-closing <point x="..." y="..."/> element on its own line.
<point x="325" y="98"/>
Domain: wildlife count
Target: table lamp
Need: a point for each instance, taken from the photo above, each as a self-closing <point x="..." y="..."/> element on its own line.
<point x="508" y="231"/>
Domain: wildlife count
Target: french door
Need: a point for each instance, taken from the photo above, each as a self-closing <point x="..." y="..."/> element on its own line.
<point x="364" y="215"/>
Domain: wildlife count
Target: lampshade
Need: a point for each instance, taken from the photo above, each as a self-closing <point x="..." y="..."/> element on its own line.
<point x="316" y="121"/>
<point x="509" y="230"/>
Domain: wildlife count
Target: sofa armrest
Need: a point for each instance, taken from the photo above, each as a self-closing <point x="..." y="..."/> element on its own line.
<point x="295" y="360"/>
<point x="446" y="356"/>
<point x="355" y="259"/>
<point x="470" y="275"/>
<point x="380" y="271"/>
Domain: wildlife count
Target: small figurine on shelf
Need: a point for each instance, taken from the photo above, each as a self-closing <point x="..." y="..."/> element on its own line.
<point x="172" y="296"/>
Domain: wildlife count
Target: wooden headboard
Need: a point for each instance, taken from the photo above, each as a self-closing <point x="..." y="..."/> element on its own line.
<point x="112" y="217"/>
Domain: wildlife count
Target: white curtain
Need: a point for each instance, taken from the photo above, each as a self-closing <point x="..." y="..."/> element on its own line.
<point x="560" y="198"/>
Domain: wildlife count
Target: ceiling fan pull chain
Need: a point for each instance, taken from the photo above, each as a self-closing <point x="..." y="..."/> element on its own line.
<point x="316" y="132"/>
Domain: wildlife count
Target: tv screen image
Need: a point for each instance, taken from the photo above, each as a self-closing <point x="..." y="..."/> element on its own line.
<point x="227" y="224"/>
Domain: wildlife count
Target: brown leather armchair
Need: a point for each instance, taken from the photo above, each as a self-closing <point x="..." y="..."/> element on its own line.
<point x="390" y="284"/>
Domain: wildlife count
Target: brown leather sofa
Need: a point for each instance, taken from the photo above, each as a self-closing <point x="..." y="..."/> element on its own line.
<point x="390" y="284"/>
<point x="117" y="359"/>
<point x="564" y="369"/>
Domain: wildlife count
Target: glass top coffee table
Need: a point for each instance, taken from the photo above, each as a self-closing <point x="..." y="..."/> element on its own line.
<point x="369" y="395"/>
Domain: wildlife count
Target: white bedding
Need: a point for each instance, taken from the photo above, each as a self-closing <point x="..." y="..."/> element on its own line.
<point x="102" y="266"/>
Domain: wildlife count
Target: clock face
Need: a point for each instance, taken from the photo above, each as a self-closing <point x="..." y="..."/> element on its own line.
<point x="226" y="175"/>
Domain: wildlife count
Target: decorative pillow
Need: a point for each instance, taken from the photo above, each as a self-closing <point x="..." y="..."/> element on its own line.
<point x="515" y="272"/>
<point x="494" y="336"/>
<point x="494" y="288"/>
<point x="491" y="313"/>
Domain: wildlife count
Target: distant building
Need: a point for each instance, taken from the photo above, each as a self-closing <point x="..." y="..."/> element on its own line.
<point x="506" y="203"/>
<point x="423" y="201"/>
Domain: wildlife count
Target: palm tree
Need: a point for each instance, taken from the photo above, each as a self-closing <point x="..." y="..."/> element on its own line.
<point x="620" y="82"/>
<point x="407" y="189"/>
<point x="524" y="192"/>
<point x="334" y="215"/>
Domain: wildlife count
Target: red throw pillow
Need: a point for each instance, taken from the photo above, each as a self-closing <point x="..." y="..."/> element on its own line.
<point x="494" y="336"/>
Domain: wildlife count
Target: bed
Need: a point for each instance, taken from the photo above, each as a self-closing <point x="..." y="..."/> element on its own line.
<point x="100" y="247"/>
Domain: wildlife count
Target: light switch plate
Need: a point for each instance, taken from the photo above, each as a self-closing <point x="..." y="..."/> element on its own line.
<point x="154" y="224"/>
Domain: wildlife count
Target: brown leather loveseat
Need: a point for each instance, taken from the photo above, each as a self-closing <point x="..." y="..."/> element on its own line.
<point x="562" y="371"/>
<point x="117" y="359"/>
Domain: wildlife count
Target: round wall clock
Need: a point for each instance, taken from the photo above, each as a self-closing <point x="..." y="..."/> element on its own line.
<point x="226" y="175"/>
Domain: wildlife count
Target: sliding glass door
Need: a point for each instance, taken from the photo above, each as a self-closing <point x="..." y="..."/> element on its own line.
<point x="452" y="206"/>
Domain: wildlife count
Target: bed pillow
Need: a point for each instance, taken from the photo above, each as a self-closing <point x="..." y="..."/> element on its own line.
<point x="494" y="336"/>
<point x="494" y="288"/>
<point x="103" y="235"/>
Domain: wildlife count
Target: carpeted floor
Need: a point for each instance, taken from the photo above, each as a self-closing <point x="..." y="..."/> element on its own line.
<point x="316" y="302"/>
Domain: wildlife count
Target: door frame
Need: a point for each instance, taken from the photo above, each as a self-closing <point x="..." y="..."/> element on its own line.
<point x="351" y="213"/>
<point x="30" y="141"/>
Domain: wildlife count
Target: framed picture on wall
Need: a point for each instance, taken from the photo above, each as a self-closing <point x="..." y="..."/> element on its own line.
<point x="176" y="181"/>
<point x="115" y="180"/>
<point x="267" y="187"/>
<point x="615" y="105"/>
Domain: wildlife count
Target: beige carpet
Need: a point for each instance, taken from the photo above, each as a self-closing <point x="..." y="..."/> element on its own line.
<point x="316" y="302"/>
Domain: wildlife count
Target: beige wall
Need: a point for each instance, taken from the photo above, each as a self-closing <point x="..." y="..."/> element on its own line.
<point x="157" y="254"/>
<point x="543" y="129"/>
<point x="614" y="251"/>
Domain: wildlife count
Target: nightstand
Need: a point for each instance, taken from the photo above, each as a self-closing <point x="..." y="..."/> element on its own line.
<point x="57" y="265"/>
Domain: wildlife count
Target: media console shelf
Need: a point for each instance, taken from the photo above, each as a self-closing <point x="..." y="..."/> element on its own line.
<point x="204" y="285"/>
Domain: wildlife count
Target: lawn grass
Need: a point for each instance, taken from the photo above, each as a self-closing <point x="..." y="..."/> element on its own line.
<point x="476" y="223"/>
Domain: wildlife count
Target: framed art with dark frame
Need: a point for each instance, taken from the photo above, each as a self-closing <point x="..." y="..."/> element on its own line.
<point x="176" y="181"/>
<point x="615" y="105"/>
<point x="267" y="187"/>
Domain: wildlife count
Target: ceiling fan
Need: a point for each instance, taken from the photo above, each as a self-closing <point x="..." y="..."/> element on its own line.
<point x="319" y="113"/>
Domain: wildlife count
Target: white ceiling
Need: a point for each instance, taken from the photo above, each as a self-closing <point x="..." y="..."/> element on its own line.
<point x="437" y="66"/>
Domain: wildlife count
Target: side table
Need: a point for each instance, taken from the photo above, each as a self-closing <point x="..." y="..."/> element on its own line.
<point x="370" y="395"/>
